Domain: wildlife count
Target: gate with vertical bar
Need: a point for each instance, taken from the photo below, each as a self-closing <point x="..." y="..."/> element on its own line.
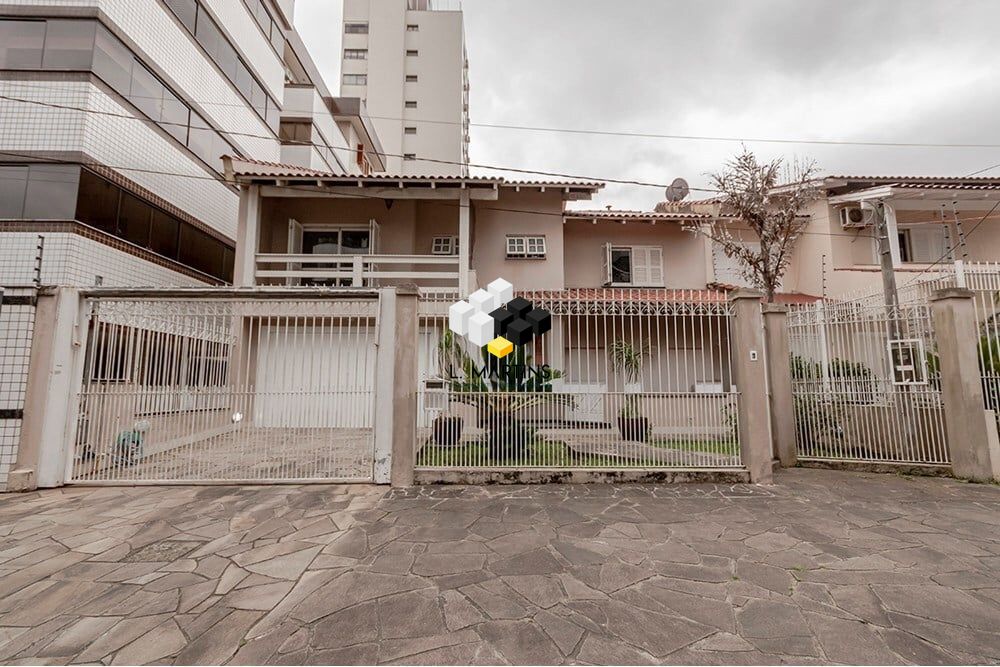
<point x="223" y="386"/>
<point x="625" y="379"/>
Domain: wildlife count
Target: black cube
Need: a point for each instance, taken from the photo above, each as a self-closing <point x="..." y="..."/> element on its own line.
<point x="520" y="307"/>
<point x="501" y="319"/>
<point x="519" y="332"/>
<point x="540" y="321"/>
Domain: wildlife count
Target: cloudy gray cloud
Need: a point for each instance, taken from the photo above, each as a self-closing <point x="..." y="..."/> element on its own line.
<point x="861" y="70"/>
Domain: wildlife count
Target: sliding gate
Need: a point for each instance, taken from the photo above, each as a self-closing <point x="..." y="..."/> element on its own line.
<point x="223" y="388"/>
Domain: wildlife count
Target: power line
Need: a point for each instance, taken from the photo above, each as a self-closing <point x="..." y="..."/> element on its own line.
<point x="701" y="137"/>
<point x="639" y="134"/>
<point x="529" y="172"/>
<point x="954" y="247"/>
<point x="359" y="195"/>
<point x="351" y="151"/>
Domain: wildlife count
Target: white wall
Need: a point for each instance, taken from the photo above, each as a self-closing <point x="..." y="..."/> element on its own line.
<point x="132" y="148"/>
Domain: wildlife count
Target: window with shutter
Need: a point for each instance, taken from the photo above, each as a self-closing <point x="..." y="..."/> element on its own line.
<point x="656" y="267"/>
<point x="926" y="244"/>
<point x="639" y="266"/>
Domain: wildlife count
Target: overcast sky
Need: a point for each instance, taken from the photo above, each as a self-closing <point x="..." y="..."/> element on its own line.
<point x="858" y="70"/>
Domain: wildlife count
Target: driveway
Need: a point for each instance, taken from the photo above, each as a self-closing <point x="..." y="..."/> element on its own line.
<point x="822" y="567"/>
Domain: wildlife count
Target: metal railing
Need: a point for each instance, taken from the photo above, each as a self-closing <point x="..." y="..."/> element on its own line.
<point x="984" y="280"/>
<point x="623" y="379"/>
<point x="865" y="383"/>
<point x="216" y="386"/>
<point x="355" y="270"/>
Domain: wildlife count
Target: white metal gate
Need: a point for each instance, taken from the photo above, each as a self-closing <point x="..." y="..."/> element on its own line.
<point x="866" y="383"/>
<point x="624" y="379"/>
<point x="227" y="388"/>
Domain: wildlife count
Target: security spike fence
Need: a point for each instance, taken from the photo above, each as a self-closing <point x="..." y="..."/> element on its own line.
<point x="226" y="389"/>
<point x="866" y="379"/>
<point x="984" y="281"/>
<point x="20" y="276"/>
<point x="623" y="379"/>
<point x="865" y="385"/>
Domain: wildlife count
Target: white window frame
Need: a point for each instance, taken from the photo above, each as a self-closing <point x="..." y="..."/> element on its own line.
<point x="355" y="79"/>
<point x="907" y="248"/>
<point x="635" y="271"/>
<point x="526" y="246"/>
<point x="356" y="27"/>
<point x="444" y="245"/>
<point x="355" y="54"/>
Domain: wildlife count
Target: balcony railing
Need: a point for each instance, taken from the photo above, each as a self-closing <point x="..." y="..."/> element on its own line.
<point x="356" y="270"/>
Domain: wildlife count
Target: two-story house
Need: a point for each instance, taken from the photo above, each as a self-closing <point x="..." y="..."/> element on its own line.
<point x="609" y="278"/>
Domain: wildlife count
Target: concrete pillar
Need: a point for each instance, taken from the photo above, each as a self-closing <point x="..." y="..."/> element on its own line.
<point x="51" y="401"/>
<point x="464" y="244"/>
<point x="750" y="376"/>
<point x="247" y="237"/>
<point x="779" y="378"/>
<point x="961" y="384"/>
<point x="396" y="386"/>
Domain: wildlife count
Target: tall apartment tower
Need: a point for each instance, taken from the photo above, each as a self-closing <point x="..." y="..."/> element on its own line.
<point x="406" y="60"/>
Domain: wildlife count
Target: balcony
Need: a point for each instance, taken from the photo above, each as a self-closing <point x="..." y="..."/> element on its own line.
<point x="357" y="270"/>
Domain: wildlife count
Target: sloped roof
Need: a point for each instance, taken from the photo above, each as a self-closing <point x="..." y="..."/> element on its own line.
<point x="885" y="180"/>
<point x="238" y="168"/>
<point x="633" y="215"/>
<point x="252" y="168"/>
<point x="654" y="295"/>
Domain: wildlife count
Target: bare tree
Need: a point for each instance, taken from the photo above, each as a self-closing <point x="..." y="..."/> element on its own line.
<point x="750" y="196"/>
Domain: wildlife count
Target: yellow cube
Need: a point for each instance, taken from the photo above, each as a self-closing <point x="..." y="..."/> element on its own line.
<point x="500" y="347"/>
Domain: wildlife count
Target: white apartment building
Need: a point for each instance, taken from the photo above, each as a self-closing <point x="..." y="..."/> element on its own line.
<point x="114" y="117"/>
<point x="406" y="60"/>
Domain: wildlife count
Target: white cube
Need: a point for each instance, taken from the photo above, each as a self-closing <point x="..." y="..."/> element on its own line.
<point x="501" y="290"/>
<point x="483" y="301"/>
<point x="480" y="329"/>
<point x="458" y="317"/>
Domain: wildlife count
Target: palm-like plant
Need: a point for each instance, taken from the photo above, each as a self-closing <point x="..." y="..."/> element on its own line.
<point x="497" y="388"/>
<point x="628" y="359"/>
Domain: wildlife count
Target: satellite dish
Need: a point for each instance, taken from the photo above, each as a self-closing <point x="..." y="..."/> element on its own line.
<point x="677" y="190"/>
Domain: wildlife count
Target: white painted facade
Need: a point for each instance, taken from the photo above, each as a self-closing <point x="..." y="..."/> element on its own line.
<point x="406" y="60"/>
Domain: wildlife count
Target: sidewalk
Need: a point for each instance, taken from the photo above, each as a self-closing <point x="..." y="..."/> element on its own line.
<point x="823" y="567"/>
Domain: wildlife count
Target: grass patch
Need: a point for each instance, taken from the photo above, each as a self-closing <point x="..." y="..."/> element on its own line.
<point x="545" y="453"/>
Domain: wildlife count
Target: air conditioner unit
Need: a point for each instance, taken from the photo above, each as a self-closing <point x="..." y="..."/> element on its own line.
<point x="855" y="216"/>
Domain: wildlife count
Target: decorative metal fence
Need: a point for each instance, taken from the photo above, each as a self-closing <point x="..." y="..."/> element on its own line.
<point x="984" y="281"/>
<point x="623" y="379"/>
<point x="866" y="383"/>
<point x="227" y="388"/>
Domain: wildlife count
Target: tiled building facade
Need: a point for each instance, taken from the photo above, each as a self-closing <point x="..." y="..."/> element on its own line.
<point x="114" y="115"/>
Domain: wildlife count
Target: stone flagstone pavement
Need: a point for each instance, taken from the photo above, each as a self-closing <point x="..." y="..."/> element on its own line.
<point x="823" y="567"/>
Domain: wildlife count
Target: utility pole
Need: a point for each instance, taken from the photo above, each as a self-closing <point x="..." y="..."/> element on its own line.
<point x="888" y="270"/>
